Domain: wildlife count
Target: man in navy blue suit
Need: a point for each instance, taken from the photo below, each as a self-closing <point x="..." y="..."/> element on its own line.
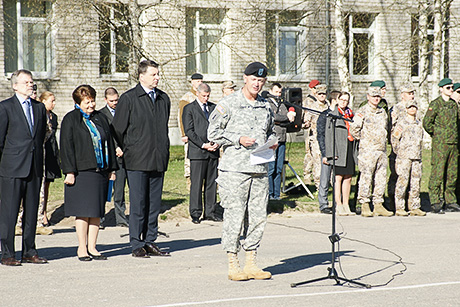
<point x="22" y="134"/>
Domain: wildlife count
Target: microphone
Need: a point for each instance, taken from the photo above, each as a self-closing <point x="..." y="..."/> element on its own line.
<point x="291" y="109"/>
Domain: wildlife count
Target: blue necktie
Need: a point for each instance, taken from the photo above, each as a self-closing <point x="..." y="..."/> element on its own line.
<point x="205" y="109"/>
<point x="29" y="116"/>
<point x="152" y="96"/>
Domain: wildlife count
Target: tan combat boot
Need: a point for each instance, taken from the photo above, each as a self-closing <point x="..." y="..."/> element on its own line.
<point x="250" y="267"/>
<point x="417" y="212"/>
<point x="43" y="231"/>
<point x="234" y="270"/>
<point x="401" y="212"/>
<point x="366" y="210"/>
<point x="380" y="210"/>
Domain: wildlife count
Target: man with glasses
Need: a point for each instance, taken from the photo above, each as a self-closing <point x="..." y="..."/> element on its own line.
<point x="441" y="123"/>
<point x="22" y="134"/>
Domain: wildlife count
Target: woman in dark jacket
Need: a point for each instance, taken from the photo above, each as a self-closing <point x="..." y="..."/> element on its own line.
<point x="88" y="160"/>
<point x="344" y="153"/>
<point x="52" y="162"/>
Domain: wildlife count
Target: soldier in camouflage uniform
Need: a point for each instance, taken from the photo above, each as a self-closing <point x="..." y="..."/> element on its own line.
<point x="312" y="158"/>
<point x="383" y="89"/>
<point x="406" y="141"/>
<point x="240" y="123"/>
<point x="396" y="112"/>
<point x="370" y="128"/>
<point x="189" y="97"/>
<point x="441" y="123"/>
<point x="308" y="166"/>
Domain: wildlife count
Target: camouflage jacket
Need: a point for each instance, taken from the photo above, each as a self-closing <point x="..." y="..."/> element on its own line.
<point x="311" y="118"/>
<point x="234" y="117"/>
<point x="369" y="126"/>
<point x="406" y="138"/>
<point x="441" y="121"/>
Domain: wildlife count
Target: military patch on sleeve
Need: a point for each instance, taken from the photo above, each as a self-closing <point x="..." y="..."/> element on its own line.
<point x="397" y="132"/>
<point x="221" y="109"/>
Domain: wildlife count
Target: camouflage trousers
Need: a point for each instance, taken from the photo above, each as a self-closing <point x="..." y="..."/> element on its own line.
<point x="186" y="162"/>
<point x="408" y="170"/>
<point x="373" y="168"/>
<point x="239" y="191"/>
<point x="312" y="161"/>
<point x="444" y="171"/>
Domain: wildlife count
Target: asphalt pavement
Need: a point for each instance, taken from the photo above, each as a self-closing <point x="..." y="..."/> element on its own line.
<point x="407" y="261"/>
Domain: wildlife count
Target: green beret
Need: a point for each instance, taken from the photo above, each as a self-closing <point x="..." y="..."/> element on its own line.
<point x="444" y="82"/>
<point x="378" y="83"/>
<point x="456" y="86"/>
<point x="256" y="69"/>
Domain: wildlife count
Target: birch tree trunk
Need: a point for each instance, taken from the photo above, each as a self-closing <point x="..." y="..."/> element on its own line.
<point x="341" y="47"/>
<point x="437" y="46"/>
<point x="424" y="63"/>
<point x="136" y="38"/>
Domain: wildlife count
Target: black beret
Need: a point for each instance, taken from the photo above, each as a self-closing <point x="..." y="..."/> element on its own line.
<point x="256" y="69"/>
<point x="197" y="76"/>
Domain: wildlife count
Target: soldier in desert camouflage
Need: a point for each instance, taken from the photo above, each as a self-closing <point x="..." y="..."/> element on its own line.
<point x="312" y="160"/>
<point x="406" y="140"/>
<point x="370" y="128"/>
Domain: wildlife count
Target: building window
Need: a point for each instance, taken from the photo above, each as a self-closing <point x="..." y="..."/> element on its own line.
<point x="204" y="33"/>
<point x="113" y="39"/>
<point x="361" y="29"/>
<point x="416" y="70"/>
<point x="27" y="36"/>
<point x="283" y="41"/>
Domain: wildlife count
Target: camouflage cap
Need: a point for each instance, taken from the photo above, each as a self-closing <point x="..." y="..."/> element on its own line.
<point x="321" y="89"/>
<point x="228" y="84"/>
<point x="407" y="88"/>
<point x="411" y="103"/>
<point x="374" y="91"/>
<point x="445" y="81"/>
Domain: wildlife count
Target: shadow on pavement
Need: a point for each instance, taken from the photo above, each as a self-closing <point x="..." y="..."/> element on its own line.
<point x="302" y="262"/>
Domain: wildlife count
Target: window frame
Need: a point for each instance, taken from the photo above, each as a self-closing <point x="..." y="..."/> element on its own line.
<point x="370" y="31"/>
<point x="113" y="47"/>
<point x="49" y="41"/>
<point x="222" y="48"/>
<point x="299" y="29"/>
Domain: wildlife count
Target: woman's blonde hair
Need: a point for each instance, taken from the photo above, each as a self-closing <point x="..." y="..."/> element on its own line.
<point x="45" y="95"/>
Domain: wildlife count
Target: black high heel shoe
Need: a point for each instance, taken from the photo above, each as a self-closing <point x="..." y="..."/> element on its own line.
<point x="98" y="257"/>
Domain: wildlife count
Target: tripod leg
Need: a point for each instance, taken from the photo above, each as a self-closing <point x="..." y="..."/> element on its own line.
<point x="301" y="182"/>
<point x="293" y="285"/>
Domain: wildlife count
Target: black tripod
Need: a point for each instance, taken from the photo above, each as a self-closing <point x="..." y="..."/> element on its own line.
<point x="334" y="237"/>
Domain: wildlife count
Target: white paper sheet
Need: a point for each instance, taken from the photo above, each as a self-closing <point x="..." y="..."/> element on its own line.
<point x="263" y="154"/>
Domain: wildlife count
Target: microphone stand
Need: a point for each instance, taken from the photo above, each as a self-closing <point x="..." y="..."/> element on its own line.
<point x="334" y="237"/>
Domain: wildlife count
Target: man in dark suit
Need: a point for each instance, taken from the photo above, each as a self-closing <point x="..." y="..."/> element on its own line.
<point x="141" y="130"/>
<point x="22" y="134"/>
<point x="111" y="100"/>
<point x="203" y="156"/>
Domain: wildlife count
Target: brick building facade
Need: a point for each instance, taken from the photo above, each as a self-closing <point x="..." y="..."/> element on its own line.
<point x="67" y="43"/>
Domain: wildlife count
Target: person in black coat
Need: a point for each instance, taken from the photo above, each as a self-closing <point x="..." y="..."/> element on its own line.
<point x="22" y="133"/>
<point x="52" y="160"/>
<point x="88" y="160"/>
<point x="141" y="130"/>
<point x="203" y="156"/>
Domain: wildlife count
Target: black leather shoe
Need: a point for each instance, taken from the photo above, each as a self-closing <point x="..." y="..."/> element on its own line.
<point x="213" y="218"/>
<point x="452" y="207"/>
<point x="98" y="257"/>
<point x="10" y="261"/>
<point x="437" y="208"/>
<point x="85" y="258"/>
<point x="153" y="250"/>
<point x="123" y="225"/>
<point x="140" y="253"/>
<point x="195" y="220"/>
<point x="34" y="259"/>
<point x="326" y="210"/>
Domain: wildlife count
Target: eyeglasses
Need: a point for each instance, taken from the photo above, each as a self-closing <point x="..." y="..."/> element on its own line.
<point x="458" y="91"/>
<point x="449" y="87"/>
